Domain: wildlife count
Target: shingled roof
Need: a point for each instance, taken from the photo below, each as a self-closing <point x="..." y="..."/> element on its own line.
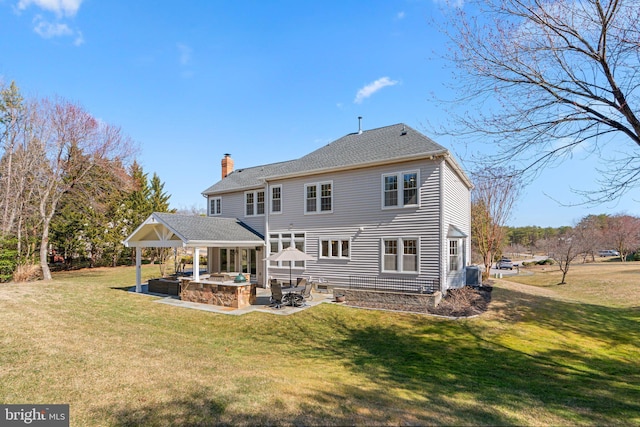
<point x="192" y="230"/>
<point x="397" y="142"/>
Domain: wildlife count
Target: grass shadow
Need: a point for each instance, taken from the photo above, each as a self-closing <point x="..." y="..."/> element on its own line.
<point x="463" y="371"/>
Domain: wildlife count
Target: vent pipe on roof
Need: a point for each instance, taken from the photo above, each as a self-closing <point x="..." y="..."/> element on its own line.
<point x="359" y="125"/>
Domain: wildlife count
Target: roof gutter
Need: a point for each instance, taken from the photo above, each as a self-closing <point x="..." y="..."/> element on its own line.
<point x="430" y="156"/>
<point x="456" y="167"/>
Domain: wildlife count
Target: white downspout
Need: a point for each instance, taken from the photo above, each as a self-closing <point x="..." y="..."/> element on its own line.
<point x="444" y="250"/>
<point x="265" y="264"/>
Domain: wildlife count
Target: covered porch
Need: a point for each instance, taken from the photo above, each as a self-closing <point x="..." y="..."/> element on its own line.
<point x="230" y="244"/>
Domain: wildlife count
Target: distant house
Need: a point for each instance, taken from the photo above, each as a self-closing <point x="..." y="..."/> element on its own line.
<point x="386" y="203"/>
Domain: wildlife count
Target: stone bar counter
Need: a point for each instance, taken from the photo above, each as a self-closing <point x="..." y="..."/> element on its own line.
<point x="225" y="293"/>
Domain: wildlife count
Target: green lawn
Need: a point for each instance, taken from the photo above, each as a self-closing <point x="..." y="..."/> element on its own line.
<point x="540" y="356"/>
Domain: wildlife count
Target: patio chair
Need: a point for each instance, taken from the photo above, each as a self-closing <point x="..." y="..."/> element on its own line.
<point x="276" y="294"/>
<point x="306" y="293"/>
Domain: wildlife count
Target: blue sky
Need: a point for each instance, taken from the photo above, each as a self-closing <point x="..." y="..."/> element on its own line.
<point x="263" y="80"/>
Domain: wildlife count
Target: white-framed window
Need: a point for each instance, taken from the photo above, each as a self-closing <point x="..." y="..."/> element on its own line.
<point x="215" y="206"/>
<point x="454" y="255"/>
<point x="254" y="203"/>
<point x="276" y="199"/>
<point x="400" y="190"/>
<point x="335" y="247"/>
<point x="318" y="197"/>
<point x="280" y="241"/>
<point x="400" y="254"/>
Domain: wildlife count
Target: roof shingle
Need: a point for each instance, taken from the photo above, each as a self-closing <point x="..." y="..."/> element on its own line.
<point x="388" y="143"/>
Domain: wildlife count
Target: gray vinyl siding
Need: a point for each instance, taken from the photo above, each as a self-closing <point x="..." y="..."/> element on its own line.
<point x="233" y="207"/>
<point x="456" y="212"/>
<point x="357" y="202"/>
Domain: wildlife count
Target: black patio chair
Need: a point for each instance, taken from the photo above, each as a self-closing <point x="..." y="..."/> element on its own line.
<point x="276" y="294"/>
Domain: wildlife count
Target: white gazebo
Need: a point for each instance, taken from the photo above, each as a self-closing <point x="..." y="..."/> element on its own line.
<point x="166" y="230"/>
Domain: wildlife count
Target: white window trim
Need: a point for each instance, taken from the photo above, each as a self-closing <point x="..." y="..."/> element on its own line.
<point x="271" y="200"/>
<point x="318" y="186"/>
<point x="282" y="244"/>
<point x="461" y="247"/>
<point x="215" y="199"/>
<point x="400" y="241"/>
<point x="340" y="239"/>
<point x="400" y="190"/>
<point x="255" y="203"/>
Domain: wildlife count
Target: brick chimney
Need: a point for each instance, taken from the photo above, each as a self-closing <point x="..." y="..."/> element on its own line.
<point x="227" y="165"/>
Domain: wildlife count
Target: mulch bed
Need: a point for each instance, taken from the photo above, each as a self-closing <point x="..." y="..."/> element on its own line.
<point x="463" y="302"/>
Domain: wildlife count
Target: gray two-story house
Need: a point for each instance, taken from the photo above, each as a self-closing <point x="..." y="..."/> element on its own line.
<point x="381" y="203"/>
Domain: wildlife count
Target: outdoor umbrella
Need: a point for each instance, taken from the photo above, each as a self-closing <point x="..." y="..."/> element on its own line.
<point x="290" y="254"/>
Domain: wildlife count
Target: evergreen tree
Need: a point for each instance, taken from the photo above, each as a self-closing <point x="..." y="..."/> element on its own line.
<point x="158" y="199"/>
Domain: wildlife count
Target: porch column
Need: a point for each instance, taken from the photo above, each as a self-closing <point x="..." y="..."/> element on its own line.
<point x="138" y="269"/>
<point x="196" y="264"/>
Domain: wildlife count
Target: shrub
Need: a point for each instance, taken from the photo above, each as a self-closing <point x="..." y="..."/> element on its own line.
<point x="8" y="259"/>
<point x="26" y="273"/>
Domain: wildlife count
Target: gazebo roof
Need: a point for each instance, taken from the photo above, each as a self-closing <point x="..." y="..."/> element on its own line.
<point x="174" y="230"/>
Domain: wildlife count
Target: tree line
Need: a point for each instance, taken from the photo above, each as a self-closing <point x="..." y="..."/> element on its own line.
<point x="585" y="240"/>
<point x="492" y="199"/>
<point x="70" y="188"/>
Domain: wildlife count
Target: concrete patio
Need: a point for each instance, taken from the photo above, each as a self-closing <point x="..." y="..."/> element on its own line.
<point x="262" y="304"/>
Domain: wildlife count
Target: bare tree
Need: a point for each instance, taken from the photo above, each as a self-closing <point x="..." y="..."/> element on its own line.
<point x="564" y="249"/>
<point x="545" y="78"/>
<point x="492" y="200"/>
<point x="623" y="234"/>
<point x="590" y="231"/>
<point x="73" y="143"/>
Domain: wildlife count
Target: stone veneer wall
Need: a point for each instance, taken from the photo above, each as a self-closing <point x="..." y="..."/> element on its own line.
<point x="390" y="300"/>
<point x="235" y="296"/>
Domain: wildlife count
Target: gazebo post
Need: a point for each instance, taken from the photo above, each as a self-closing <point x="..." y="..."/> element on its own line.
<point x="138" y="269"/>
<point x="196" y="264"/>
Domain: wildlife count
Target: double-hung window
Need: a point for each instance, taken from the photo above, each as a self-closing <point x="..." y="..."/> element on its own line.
<point x="400" y="190"/>
<point x="335" y="247"/>
<point x="454" y="255"/>
<point x="280" y="241"/>
<point x="318" y="197"/>
<point x="254" y="203"/>
<point x="215" y="206"/>
<point x="400" y="255"/>
<point x="276" y="199"/>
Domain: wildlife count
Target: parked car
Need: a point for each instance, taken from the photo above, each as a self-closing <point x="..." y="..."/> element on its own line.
<point x="609" y="252"/>
<point x="505" y="263"/>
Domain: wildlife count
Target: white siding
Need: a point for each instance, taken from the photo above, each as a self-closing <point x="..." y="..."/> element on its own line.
<point x="456" y="212"/>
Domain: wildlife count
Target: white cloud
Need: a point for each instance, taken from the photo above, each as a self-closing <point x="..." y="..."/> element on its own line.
<point x="59" y="7"/>
<point x="48" y="30"/>
<point x="79" y="39"/>
<point x="458" y="4"/>
<point x="372" y="88"/>
<point x="185" y="53"/>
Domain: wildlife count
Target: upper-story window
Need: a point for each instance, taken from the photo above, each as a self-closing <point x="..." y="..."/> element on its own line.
<point x="276" y="199"/>
<point x="318" y="197"/>
<point x="254" y="203"/>
<point x="215" y="206"/>
<point x="400" y="189"/>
